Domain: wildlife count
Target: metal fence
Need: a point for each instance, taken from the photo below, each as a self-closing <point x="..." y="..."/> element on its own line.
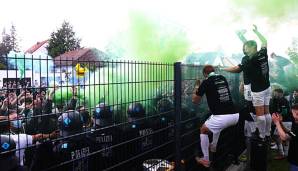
<point x="100" y="115"/>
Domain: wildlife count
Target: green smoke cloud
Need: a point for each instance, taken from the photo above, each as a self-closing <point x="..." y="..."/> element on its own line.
<point x="126" y="82"/>
<point x="147" y="39"/>
<point x="273" y="9"/>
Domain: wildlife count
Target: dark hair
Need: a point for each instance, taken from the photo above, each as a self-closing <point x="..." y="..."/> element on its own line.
<point x="295" y="106"/>
<point x="208" y="69"/>
<point x="279" y="90"/>
<point x="28" y="100"/>
<point x="250" y="43"/>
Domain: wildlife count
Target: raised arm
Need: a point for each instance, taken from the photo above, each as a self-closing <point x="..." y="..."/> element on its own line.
<point x="260" y="36"/>
<point x="240" y="34"/>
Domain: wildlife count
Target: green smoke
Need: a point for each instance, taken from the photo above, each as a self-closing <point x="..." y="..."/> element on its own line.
<point x="156" y="42"/>
<point x="127" y="82"/>
<point x="273" y="9"/>
<point x="120" y="84"/>
<point x="147" y="39"/>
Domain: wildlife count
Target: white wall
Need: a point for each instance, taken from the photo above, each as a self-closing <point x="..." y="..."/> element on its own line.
<point x="41" y="51"/>
<point x="16" y="74"/>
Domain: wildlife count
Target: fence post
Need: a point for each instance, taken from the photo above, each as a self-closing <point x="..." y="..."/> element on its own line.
<point x="177" y="99"/>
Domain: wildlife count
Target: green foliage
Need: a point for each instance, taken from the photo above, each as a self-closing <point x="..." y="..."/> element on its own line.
<point x="13" y="39"/>
<point x="63" y="40"/>
<point x="8" y="43"/>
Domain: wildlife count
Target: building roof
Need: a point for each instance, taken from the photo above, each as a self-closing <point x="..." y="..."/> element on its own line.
<point x="84" y="55"/>
<point x="36" y="47"/>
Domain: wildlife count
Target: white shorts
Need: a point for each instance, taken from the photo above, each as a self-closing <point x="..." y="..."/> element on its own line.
<point x="250" y="126"/>
<point x="261" y="98"/>
<point x="287" y="125"/>
<point x="216" y="123"/>
<point x="247" y="92"/>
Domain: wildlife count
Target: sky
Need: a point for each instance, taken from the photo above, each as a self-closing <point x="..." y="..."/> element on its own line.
<point x="209" y="25"/>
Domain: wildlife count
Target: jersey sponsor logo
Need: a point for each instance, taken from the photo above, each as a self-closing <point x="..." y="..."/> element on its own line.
<point x="223" y="93"/>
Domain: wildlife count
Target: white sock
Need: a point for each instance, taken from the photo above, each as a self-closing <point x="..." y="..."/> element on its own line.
<point x="215" y="139"/>
<point x="280" y="149"/>
<point x="205" y="145"/>
<point x="248" y="148"/>
<point x="268" y="124"/>
<point x="261" y="125"/>
<point x="286" y="148"/>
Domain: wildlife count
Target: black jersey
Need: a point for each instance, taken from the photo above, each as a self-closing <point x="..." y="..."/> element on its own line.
<point x="218" y="95"/>
<point x="282" y="107"/>
<point x="259" y="71"/>
<point x="293" y="148"/>
<point x="244" y="67"/>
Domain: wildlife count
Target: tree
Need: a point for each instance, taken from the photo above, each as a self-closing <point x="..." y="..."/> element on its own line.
<point x="9" y="42"/>
<point x="63" y="40"/>
<point x="293" y="51"/>
<point x="5" y="45"/>
<point x="5" y="48"/>
<point x="14" y="44"/>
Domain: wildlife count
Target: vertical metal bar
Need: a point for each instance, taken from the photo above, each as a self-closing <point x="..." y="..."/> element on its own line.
<point x="177" y="99"/>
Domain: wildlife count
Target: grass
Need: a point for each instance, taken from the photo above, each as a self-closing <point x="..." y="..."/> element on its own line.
<point x="276" y="165"/>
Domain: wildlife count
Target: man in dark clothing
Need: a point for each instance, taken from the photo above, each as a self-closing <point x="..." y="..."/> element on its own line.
<point x="294" y="97"/>
<point x="105" y="135"/>
<point x="291" y="135"/>
<point x="140" y="134"/>
<point x="243" y="67"/>
<point x="76" y="148"/>
<point x="279" y="104"/>
<point x="8" y="159"/>
<point x="164" y="122"/>
<point x="258" y="70"/>
<point x="72" y="152"/>
<point x="220" y="104"/>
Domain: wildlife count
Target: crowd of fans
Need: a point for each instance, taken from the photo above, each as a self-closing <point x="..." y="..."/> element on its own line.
<point x="47" y="134"/>
<point x="44" y="135"/>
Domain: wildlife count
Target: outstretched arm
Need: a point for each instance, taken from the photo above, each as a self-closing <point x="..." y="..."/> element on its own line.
<point x="260" y="36"/>
<point x="195" y="98"/>
<point x="233" y="69"/>
<point x="240" y="34"/>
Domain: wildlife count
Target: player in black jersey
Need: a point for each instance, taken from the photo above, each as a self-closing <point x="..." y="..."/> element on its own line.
<point x="260" y="85"/>
<point x="220" y="103"/>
